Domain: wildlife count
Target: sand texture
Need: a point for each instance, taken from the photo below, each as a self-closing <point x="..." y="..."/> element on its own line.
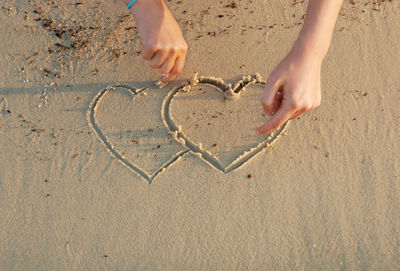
<point x="101" y="169"/>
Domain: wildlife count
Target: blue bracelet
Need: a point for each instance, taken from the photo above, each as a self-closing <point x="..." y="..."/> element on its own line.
<point x="130" y="4"/>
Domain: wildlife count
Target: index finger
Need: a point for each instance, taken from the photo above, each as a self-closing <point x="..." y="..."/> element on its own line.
<point x="281" y="116"/>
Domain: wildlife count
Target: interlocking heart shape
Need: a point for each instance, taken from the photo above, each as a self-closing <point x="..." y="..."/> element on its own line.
<point x="205" y="116"/>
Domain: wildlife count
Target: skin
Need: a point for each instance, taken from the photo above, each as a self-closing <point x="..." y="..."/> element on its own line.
<point x="292" y="89"/>
<point x="162" y="41"/>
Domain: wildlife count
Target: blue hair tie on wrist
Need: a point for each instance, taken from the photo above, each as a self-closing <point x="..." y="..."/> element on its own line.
<point x="130" y="4"/>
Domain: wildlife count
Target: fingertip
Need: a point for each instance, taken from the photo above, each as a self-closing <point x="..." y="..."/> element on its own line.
<point x="165" y="80"/>
<point x="261" y="130"/>
<point x="169" y="77"/>
<point x="173" y="77"/>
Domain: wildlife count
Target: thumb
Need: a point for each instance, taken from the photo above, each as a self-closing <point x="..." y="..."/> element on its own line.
<point x="268" y="97"/>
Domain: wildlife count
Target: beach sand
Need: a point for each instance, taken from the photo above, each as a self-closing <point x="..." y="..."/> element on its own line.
<point x="103" y="170"/>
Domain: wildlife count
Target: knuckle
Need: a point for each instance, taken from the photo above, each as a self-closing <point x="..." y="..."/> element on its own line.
<point x="174" y="49"/>
<point x="159" y="48"/>
<point x="156" y="47"/>
<point x="154" y="65"/>
<point x="145" y="55"/>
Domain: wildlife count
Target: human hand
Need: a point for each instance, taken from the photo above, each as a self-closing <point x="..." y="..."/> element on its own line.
<point x="292" y="89"/>
<point x="162" y="41"/>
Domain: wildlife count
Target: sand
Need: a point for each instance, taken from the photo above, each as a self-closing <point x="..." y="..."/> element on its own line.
<point x="103" y="170"/>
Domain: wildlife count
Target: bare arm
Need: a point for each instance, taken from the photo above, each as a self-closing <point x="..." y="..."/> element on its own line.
<point x="294" y="87"/>
<point x="318" y="26"/>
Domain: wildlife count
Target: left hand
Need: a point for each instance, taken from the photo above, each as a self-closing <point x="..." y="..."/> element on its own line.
<point x="163" y="44"/>
<point x="292" y="89"/>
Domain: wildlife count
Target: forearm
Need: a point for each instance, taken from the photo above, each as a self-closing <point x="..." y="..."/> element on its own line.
<point x="319" y="23"/>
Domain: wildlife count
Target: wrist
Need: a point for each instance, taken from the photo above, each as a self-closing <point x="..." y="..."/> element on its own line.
<point x="141" y="7"/>
<point x="309" y="48"/>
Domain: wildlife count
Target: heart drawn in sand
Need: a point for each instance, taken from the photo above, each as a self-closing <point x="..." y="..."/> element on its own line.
<point x="217" y="121"/>
<point x="128" y="121"/>
<point x="207" y="117"/>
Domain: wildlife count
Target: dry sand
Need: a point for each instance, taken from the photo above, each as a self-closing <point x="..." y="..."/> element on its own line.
<point x="102" y="170"/>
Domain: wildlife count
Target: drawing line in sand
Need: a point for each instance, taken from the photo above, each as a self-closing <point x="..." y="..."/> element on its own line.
<point x="4" y="107"/>
<point x="229" y="93"/>
<point x="118" y="155"/>
<point x="175" y="130"/>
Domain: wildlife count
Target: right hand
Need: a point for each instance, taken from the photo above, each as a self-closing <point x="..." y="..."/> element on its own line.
<point x="162" y="41"/>
<point x="292" y="89"/>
